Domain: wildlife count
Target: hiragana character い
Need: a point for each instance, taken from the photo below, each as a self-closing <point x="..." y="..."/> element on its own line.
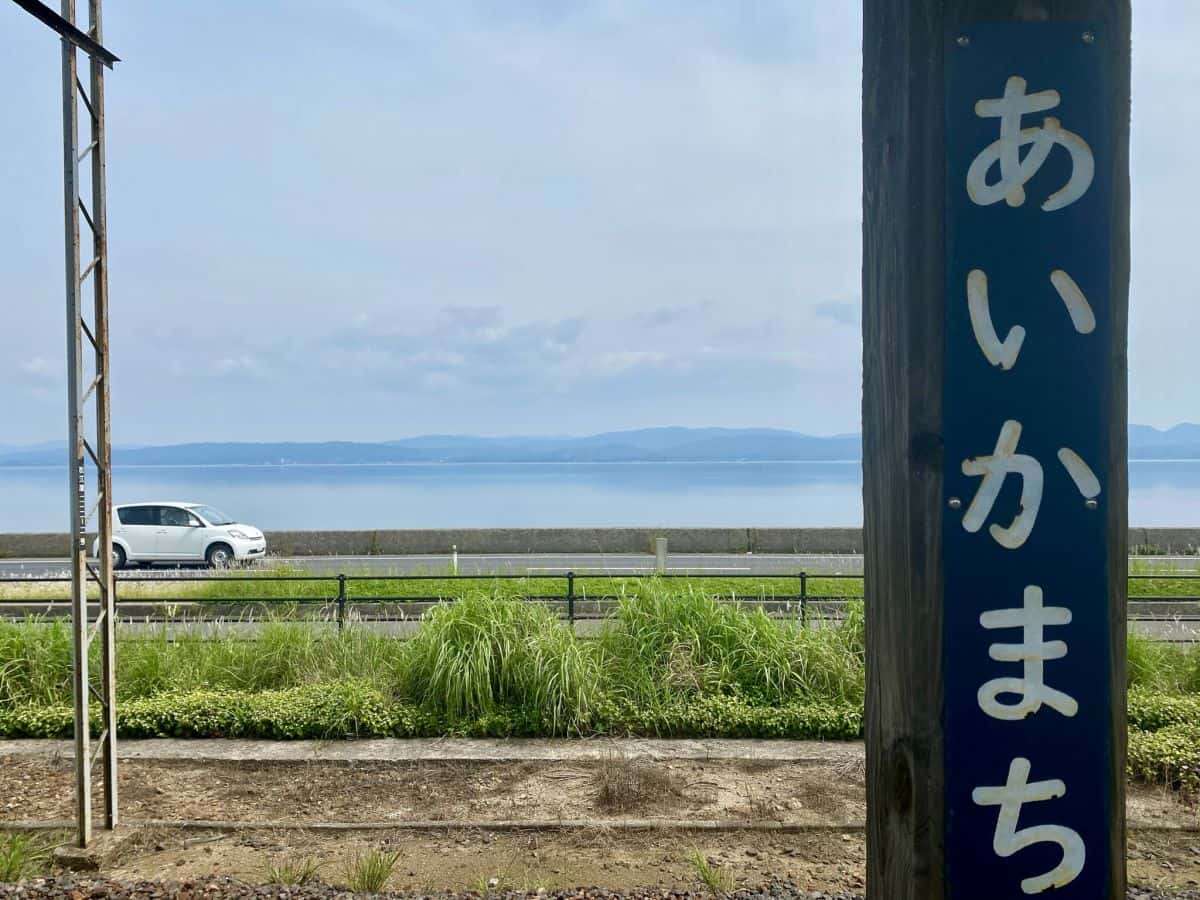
<point x="1004" y="353"/>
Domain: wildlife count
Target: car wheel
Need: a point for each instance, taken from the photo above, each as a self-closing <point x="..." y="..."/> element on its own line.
<point x="118" y="557"/>
<point x="220" y="556"/>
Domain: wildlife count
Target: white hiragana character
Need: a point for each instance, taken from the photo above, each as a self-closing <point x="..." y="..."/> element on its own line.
<point x="1081" y="473"/>
<point x="1015" y="171"/>
<point x="995" y="469"/>
<point x="1033" y="651"/>
<point x="1009" y="840"/>
<point x="1004" y="353"/>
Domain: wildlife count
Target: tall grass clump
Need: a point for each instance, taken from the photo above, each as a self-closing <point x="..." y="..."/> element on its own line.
<point x="280" y="655"/>
<point x="485" y="652"/>
<point x="22" y="856"/>
<point x="35" y="661"/>
<point x="367" y="872"/>
<point x="664" y="644"/>
<point x="1162" y="667"/>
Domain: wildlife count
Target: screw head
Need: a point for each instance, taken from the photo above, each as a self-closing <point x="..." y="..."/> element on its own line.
<point x="1089" y="37"/>
<point x="1092" y="504"/>
<point x="962" y="40"/>
<point x="955" y="503"/>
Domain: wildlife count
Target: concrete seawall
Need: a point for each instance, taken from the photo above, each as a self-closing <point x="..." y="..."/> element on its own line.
<point x="576" y="540"/>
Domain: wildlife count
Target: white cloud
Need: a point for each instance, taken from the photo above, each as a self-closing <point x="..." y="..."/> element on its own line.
<point x="640" y="210"/>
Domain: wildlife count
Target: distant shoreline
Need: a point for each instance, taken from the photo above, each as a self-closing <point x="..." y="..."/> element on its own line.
<point x="446" y="463"/>
<point x="17" y="467"/>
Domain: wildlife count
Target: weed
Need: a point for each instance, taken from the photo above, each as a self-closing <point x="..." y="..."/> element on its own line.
<point x="21" y="856"/>
<point x="484" y="885"/>
<point x="291" y="870"/>
<point x="369" y="870"/>
<point x="718" y="880"/>
<point x="623" y="784"/>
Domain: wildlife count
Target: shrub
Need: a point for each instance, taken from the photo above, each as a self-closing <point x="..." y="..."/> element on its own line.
<point x="1170" y="755"/>
<point x="1150" y="711"/>
<point x="355" y="709"/>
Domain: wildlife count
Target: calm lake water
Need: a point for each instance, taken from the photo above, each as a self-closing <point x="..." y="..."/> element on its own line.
<point x="531" y="495"/>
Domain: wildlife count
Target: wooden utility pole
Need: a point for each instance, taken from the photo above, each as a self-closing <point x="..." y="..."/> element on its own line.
<point x="995" y="295"/>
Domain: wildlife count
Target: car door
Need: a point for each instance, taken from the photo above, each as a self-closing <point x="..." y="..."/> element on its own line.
<point x="139" y="527"/>
<point x="180" y="535"/>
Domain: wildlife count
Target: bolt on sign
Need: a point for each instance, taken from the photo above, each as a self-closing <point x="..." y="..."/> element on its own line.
<point x="1026" y="660"/>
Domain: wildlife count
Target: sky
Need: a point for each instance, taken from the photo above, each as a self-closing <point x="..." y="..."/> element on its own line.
<point x="376" y="219"/>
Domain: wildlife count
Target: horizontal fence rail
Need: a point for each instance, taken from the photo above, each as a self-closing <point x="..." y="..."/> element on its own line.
<point x="796" y="595"/>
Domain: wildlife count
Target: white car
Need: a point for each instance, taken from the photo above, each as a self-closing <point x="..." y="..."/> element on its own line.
<point x="180" y="533"/>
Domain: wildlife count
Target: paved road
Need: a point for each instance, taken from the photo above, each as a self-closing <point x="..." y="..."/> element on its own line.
<point x="733" y="564"/>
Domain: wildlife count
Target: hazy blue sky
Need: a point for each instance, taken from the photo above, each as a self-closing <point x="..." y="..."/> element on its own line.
<point x="373" y="219"/>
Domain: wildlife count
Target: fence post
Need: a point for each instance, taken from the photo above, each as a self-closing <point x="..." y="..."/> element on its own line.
<point x="803" y="599"/>
<point x="571" y="597"/>
<point x="341" y="602"/>
<point x="660" y="555"/>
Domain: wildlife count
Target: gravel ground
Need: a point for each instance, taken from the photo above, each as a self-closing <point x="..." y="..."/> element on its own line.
<point x="204" y="889"/>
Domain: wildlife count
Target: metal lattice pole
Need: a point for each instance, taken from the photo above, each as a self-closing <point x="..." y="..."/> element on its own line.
<point x="83" y="341"/>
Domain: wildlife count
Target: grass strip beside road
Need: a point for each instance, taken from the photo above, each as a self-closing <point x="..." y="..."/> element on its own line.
<point x="276" y="584"/>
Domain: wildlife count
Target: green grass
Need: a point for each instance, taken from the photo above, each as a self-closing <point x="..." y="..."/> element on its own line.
<point x="663" y="645"/>
<point x="271" y="585"/>
<point x="1162" y="667"/>
<point x="671" y="660"/>
<point x="368" y="871"/>
<point x="291" y="870"/>
<point x="22" y="856"/>
<point x="481" y="653"/>
<point x="716" y="879"/>
<point x="484" y="652"/>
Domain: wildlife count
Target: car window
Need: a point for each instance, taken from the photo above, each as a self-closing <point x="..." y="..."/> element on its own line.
<point x="214" y="516"/>
<point x="173" y="515"/>
<point x="138" y="515"/>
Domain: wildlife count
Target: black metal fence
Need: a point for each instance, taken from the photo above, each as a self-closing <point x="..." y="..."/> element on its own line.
<point x="568" y="590"/>
<point x="784" y="595"/>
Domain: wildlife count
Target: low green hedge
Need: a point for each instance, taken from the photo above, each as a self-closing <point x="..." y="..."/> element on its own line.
<point x="357" y="710"/>
<point x="1150" y="711"/>
<point x="1170" y="756"/>
<point x="734" y="717"/>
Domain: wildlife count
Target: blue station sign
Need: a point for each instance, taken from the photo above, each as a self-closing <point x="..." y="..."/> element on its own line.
<point x="1027" y="651"/>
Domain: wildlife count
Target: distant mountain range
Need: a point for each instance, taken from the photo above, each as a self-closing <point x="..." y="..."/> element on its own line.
<point x="644" y="445"/>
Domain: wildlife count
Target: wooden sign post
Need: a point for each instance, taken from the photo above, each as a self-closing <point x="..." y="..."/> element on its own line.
<point x="995" y="293"/>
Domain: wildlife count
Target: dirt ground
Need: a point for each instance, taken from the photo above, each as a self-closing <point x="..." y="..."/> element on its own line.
<point x="454" y="855"/>
<point x="311" y="792"/>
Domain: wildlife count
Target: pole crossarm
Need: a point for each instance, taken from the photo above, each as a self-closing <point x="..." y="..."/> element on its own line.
<point x="80" y="39"/>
